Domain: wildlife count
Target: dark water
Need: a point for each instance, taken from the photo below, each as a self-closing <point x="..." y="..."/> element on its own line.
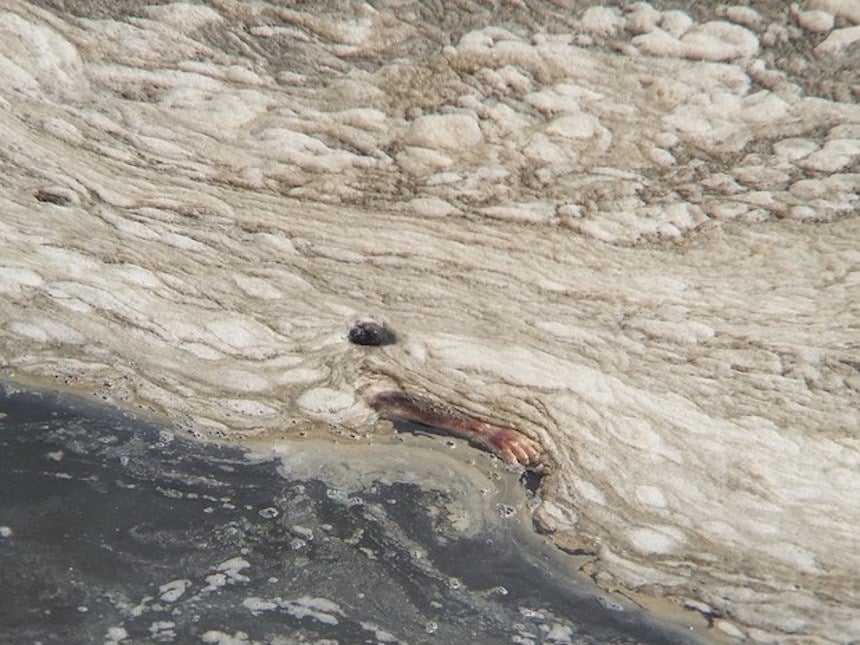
<point x="115" y="527"/>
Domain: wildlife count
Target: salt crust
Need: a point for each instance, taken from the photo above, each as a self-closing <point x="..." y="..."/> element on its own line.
<point x="446" y="131"/>
<point x="648" y="275"/>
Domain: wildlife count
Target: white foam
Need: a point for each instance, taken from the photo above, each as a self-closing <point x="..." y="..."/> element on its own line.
<point x="256" y="605"/>
<point x="559" y="633"/>
<point x="215" y="581"/>
<point x="115" y="634"/>
<point x="173" y="591"/>
<point x="217" y="637"/>
<point x="320" y="609"/>
<point x="163" y="630"/>
<point x="379" y="634"/>
<point x="232" y="569"/>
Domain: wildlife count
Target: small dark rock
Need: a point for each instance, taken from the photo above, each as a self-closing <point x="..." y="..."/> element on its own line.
<point x="371" y="332"/>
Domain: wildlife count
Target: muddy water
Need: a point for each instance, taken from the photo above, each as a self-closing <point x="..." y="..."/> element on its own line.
<point x="629" y="232"/>
<point x="115" y="528"/>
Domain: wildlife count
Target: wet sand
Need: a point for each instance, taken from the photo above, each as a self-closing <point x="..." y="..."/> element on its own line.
<point x="113" y="526"/>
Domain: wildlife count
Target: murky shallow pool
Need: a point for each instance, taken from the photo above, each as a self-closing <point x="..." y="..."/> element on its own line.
<point x="115" y="527"/>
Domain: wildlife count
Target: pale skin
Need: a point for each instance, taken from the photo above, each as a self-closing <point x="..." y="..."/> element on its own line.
<point x="509" y="444"/>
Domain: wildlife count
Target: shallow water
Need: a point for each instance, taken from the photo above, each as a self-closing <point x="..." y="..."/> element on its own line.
<point x="629" y="232"/>
<point x="116" y="527"/>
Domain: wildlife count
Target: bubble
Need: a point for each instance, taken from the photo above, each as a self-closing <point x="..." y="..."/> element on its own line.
<point x="336" y="495"/>
<point x="505" y="510"/>
<point x="303" y="532"/>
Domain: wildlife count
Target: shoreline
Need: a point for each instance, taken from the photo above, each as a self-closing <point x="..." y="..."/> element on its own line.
<point x="424" y="455"/>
